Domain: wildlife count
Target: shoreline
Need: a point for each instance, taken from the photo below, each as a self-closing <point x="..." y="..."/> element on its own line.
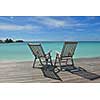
<point x="16" y="61"/>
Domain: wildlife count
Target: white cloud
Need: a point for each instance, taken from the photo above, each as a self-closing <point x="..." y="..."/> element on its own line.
<point x="50" y="21"/>
<point x="11" y="17"/>
<point x="13" y="27"/>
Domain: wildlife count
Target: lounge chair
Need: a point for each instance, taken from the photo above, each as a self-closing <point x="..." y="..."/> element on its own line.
<point x="39" y="53"/>
<point x="66" y="55"/>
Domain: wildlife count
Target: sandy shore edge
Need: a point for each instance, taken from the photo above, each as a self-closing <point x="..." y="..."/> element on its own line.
<point x="75" y="59"/>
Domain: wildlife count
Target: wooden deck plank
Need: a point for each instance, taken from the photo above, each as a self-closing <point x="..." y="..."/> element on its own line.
<point x="22" y="72"/>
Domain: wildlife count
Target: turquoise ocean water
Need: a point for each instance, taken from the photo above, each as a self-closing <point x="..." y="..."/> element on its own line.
<point x="21" y="51"/>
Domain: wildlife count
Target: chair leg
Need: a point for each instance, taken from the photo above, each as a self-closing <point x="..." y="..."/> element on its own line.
<point x="66" y="62"/>
<point x="55" y="61"/>
<point x="34" y="62"/>
<point x="40" y="61"/>
<point x="56" y="69"/>
<point x="51" y="62"/>
<point x="60" y="63"/>
<point x="46" y="61"/>
<point x="72" y="61"/>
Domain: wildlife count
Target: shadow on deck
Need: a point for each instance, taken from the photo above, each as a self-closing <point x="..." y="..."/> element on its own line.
<point x="81" y="72"/>
<point x="49" y="71"/>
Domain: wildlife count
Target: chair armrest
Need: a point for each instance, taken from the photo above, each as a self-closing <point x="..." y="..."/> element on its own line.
<point x="57" y="53"/>
<point x="48" y="55"/>
<point x="49" y="52"/>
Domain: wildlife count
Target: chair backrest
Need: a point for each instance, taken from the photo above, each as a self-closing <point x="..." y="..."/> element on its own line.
<point x="37" y="50"/>
<point x="68" y="49"/>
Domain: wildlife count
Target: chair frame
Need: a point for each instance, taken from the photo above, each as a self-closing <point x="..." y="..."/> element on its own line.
<point x="47" y="56"/>
<point x="61" y="58"/>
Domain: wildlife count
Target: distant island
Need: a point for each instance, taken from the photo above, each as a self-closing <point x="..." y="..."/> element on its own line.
<point x="10" y="41"/>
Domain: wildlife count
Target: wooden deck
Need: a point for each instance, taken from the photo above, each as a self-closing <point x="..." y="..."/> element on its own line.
<point x="19" y="72"/>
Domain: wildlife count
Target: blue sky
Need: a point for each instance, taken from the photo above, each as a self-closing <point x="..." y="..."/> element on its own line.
<point x="50" y="28"/>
